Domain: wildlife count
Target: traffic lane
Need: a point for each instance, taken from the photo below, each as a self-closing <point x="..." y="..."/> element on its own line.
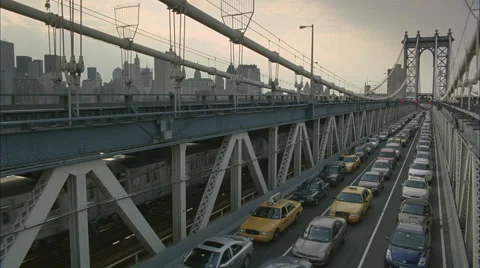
<point x="376" y="252"/>
<point x="264" y="251"/>
<point x="359" y="234"/>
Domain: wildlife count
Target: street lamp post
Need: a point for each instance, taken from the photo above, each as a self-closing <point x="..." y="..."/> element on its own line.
<point x="312" y="87"/>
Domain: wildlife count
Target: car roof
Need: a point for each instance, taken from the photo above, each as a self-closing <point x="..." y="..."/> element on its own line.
<point x="416" y="202"/>
<point x="323" y="221"/>
<point x="410" y="227"/>
<point x="372" y="173"/>
<point x="383" y="161"/>
<point x="353" y="189"/>
<point x="347" y="155"/>
<point x="421" y="160"/>
<point x="414" y="178"/>
<point x="387" y="150"/>
<point x="216" y="244"/>
<point x="276" y="205"/>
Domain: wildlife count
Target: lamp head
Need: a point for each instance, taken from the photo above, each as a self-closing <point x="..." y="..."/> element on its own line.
<point x="302" y="27"/>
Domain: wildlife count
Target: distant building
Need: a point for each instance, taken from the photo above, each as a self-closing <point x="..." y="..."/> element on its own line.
<point x="146" y="80"/>
<point x="91" y="73"/>
<point x="7" y="57"/>
<point x="251" y="72"/>
<point x="25" y="86"/>
<point x="22" y="66"/>
<point x="396" y="77"/>
<point x="162" y="69"/>
<point x="219" y="85"/>
<point x="366" y="89"/>
<point x="52" y="63"/>
<point x="35" y="69"/>
<point x="117" y="74"/>
<point x="7" y="70"/>
<point x="230" y="86"/>
<point x="197" y="83"/>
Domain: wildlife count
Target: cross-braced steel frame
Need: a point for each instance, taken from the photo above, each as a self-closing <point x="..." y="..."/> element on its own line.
<point x="440" y="46"/>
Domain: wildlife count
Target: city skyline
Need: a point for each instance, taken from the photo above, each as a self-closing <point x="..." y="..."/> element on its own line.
<point x="336" y="36"/>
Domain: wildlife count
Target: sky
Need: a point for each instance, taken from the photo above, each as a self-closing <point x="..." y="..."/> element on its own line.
<point x="356" y="40"/>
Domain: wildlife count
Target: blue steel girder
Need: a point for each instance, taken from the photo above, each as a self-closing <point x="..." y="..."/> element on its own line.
<point x="31" y="150"/>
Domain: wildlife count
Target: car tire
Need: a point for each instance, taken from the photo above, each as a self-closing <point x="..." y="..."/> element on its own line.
<point x="316" y="201"/>
<point x="246" y="262"/>
<point x="276" y="235"/>
<point x="297" y="217"/>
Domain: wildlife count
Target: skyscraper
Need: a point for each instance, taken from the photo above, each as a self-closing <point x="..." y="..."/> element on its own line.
<point x="22" y="65"/>
<point x="35" y="69"/>
<point x="395" y="80"/>
<point x="162" y="70"/>
<point x="7" y="57"/>
<point x="91" y="73"/>
<point x="251" y="72"/>
<point x="52" y="63"/>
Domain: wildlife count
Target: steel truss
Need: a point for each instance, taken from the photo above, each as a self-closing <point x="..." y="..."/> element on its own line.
<point x="35" y="212"/>
<point x="218" y="171"/>
<point x="463" y="166"/>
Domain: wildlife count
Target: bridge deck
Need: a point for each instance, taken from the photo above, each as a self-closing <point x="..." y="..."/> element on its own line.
<point x="366" y="244"/>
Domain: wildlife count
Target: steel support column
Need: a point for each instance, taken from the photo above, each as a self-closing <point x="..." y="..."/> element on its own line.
<point x="179" y="192"/>
<point x="79" y="245"/>
<point x="236" y="177"/>
<point x="272" y="157"/>
<point x="297" y="157"/>
<point x="253" y="166"/>
<point x="316" y="141"/>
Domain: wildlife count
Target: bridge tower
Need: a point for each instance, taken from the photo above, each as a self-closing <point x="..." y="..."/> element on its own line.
<point x="440" y="46"/>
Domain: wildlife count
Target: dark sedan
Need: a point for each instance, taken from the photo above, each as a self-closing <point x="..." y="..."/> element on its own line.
<point x="311" y="191"/>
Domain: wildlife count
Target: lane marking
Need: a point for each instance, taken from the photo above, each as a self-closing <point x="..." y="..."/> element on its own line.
<point x="386" y="205"/>
<point x="442" y="238"/>
<point x="326" y="210"/>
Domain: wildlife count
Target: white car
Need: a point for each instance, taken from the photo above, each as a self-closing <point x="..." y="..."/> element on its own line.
<point x="421" y="168"/>
<point x="415" y="188"/>
<point x="383" y="136"/>
<point x="374" y="141"/>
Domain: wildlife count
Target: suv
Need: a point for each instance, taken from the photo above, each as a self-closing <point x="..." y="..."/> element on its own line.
<point x="374" y="141"/>
<point x="333" y="173"/>
<point x="311" y="191"/>
<point x="383" y="136"/>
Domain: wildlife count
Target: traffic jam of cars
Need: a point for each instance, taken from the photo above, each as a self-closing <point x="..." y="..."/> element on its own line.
<point x="407" y="246"/>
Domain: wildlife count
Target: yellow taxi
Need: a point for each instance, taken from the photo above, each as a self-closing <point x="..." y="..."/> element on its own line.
<point x="271" y="218"/>
<point x="351" y="203"/>
<point x="351" y="162"/>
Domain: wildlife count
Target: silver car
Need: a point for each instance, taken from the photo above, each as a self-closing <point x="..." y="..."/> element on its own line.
<point x="229" y="251"/>
<point x="322" y="237"/>
<point x="423" y="155"/>
<point x="423" y="148"/>
<point x="421" y="168"/>
<point x="286" y="261"/>
<point x="415" y="188"/>
<point x="372" y="180"/>
<point x="416" y="210"/>
<point x="383" y="136"/>
<point x="384" y="167"/>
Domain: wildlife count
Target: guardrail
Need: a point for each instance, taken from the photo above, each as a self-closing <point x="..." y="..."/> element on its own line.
<point x="219" y="212"/>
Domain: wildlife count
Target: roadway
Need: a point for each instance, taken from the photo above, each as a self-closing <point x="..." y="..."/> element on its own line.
<point x="366" y="243"/>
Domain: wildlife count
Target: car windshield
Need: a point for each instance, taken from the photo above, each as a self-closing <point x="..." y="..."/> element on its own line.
<point x="387" y="154"/>
<point x="381" y="165"/>
<point x="421" y="166"/>
<point x="370" y="178"/>
<point x="408" y="240"/>
<point x="423" y="155"/>
<point x="424" y="143"/>
<point x="348" y="159"/>
<point x="415" y="184"/>
<point x="267" y="212"/>
<point x="349" y="197"/>
<point x="201" y="258"/>
<point x="372" y="140"/>
<point x="306" y="187"/>
<point x="318" y="234"/>
<point x="359" y="150"/>
<point x="332" y="169"/>
<point x="392" y="146"/>
<point x="383" y="133"/>
<point x="413" y="209"/>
